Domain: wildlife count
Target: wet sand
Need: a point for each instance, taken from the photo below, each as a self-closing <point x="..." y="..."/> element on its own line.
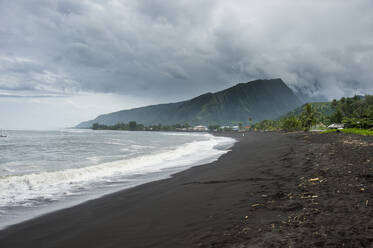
<point x="271" y="190"/>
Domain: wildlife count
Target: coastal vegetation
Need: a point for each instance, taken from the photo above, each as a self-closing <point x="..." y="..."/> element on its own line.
<point x="134" y="126"/>
<point x="354" y="112"/>
<point x="365" y="132"/>
<point x="292" y="122"/>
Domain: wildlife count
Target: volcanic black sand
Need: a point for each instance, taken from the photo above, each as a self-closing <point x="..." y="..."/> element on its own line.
<point x="271" y="190"/>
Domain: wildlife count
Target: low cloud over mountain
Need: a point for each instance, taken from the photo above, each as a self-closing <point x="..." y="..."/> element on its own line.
<point x="166" y="50"/>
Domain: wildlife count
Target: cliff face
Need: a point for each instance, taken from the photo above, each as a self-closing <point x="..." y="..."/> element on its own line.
<point x="260" y="99"/>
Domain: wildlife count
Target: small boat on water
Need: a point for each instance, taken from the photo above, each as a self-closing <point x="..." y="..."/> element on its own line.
<point x="2" y="135"/>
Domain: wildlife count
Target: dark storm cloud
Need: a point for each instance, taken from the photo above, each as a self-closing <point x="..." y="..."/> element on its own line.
<point x="162" y="49"/>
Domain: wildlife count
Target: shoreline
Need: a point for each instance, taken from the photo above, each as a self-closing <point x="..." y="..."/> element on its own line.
<point x="180" y="158"/>
<point x="243" y="198"/>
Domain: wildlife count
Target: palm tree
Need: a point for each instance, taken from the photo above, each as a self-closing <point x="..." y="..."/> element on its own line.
<point x="240" y="125"/>
<point x="309" y="116"/>
<point x="250" y="121"/>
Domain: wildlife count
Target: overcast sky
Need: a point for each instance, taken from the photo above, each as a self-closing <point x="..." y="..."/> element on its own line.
<point x="66" y="61"/>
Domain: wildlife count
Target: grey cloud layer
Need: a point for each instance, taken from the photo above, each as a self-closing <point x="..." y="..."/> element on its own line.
<point x="154" y="48"/>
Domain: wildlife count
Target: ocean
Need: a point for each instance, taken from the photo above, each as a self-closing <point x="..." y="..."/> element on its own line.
<point x="43" y="171"/>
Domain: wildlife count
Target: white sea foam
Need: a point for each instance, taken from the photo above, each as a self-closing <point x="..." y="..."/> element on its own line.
<point x="140" y="147"/>
<point x="25" y="190"/>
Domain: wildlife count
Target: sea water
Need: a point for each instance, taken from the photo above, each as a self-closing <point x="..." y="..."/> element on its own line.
<point x="43" y="171"/>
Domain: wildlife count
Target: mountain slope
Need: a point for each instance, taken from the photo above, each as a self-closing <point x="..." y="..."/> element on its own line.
<point x="260" y="99"/>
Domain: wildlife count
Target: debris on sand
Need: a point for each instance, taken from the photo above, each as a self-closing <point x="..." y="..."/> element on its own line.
<point x="327" y="204"/>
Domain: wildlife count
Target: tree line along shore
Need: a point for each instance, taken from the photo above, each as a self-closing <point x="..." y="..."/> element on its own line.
<point x="355" y="114"/>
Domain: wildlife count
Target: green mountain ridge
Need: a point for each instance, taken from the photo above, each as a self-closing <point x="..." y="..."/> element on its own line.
<point x="259" y="100"/>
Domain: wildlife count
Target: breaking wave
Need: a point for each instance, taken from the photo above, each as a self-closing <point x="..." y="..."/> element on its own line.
<point x="27" y="190"/>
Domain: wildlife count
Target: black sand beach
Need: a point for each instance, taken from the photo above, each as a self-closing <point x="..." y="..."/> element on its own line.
<point x="271" y="190"/>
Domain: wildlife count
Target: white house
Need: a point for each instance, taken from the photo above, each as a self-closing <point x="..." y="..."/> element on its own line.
<point x="336" y="126"/>
<point x="235" y="128"/>
<point x="200" y="128"/>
